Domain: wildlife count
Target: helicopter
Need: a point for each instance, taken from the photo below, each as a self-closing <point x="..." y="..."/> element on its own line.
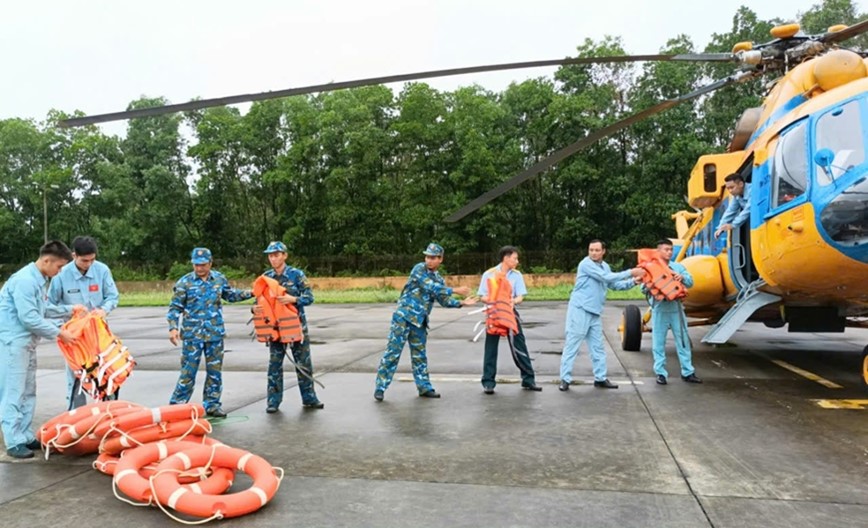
<point x="802" y="151"/>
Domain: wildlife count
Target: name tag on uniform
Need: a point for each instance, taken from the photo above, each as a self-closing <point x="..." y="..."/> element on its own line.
<point x="73" y="291"/>
<point x="93" y="287"/>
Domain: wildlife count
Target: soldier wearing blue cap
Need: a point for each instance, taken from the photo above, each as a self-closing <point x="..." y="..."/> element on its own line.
<point x="410" y="322"/>
<point x="198" y="297"/>
<point x="298" y="292"/>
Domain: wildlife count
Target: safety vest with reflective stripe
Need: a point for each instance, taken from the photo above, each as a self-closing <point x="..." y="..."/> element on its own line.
<point x="659" y="279"/>
<point x="97" y="357"/>
<point x="278" y="323"/>
<point x="501" y="317"/>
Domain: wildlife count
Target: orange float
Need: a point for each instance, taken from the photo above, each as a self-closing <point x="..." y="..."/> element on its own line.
<point x="129" y="479"/>
<point x="154" y="432"/>
<point x="169" y="492"/>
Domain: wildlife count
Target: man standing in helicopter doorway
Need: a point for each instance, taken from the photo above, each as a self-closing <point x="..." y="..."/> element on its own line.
<point x="197" y="297"/>
<point x="669" y="315"/>
<point x="508" y="256"/>
<point x="298" y="293"/>
<point x="88" y="282"/>
<point x="738" y="210"/>
<point x="410" y="322"/>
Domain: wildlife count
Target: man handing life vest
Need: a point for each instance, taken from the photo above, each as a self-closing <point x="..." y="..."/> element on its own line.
<point x="660" y="280"/>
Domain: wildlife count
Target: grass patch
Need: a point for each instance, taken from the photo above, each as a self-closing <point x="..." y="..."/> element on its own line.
<point x="376" y="295"/>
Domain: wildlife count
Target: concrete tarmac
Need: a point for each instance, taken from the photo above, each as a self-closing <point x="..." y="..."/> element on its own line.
<point x="755" y="445"/>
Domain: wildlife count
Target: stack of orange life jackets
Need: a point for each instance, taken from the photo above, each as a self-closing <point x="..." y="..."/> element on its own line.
<point x="659" y="278"/>
<point x="98" y="357"/>
<point x="501" y="317"/>
<point x="278" y="322"/>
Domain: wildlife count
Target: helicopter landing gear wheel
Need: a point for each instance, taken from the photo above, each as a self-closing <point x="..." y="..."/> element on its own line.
<point x="631" y="322"/>
<point x="865" y="367"/>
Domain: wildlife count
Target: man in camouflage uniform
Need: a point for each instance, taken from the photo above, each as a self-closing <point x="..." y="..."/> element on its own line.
<point x="198" y="297"/>
<point x="298" y="292"/>
<point x="410" y="321"/>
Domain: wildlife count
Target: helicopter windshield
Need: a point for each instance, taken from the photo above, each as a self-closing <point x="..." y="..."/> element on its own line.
<point x="840" y="130"/>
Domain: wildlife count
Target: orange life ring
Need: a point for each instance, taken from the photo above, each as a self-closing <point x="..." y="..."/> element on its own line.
<point x="128" y="478"/>
<point x="166" y="413"/>
<point x="153" y="433"/>
<point x="171" y="493"/>
<point x="79" y="438"/>
<point x="51" y="429"/>
<point x="106" y="463"/>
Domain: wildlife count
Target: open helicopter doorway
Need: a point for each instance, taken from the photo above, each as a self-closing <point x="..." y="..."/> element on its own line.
<point x="741" y="264"/>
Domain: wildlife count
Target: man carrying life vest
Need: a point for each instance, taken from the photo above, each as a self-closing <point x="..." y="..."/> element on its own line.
<point x="501" y="289"/>
<point x="410" y="322"/>
<point x="24" y="307"/>
<point x="298" y="295"/>
<point x="585" y="310"/>
<point x="88" y="282"/>
<point x="669" y="315"/>
<point x="197" y="298"/>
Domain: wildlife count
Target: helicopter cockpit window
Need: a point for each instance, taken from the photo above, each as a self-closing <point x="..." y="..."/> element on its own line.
<point x="840" y="131"/>
<point x="790" y="166"/>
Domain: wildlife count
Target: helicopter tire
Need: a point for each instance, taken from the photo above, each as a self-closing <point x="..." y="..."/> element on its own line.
<point x="631" y="322"/>
<point x="865" y="367"/>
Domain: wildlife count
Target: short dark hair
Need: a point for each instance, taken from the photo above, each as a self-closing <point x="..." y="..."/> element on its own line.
<point x="734" y="177"/>
<point x="506" y="251"/>
<point x="597" y="241"/>
<point x="56" y="248"/>
<point x="84" y="245"/>
<point x="664" y="242"/>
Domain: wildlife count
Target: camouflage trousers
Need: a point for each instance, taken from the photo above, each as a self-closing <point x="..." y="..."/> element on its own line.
<point x="301" y="356"/>
<point x="401" y="332"/>
<point x="193" y="350"/>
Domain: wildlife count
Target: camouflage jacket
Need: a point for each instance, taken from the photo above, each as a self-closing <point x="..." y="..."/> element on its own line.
<point x="199" y="301"/>
<point x="422" y="289"/>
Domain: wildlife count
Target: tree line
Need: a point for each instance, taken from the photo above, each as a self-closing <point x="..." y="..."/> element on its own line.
<point x="362" y="179"/>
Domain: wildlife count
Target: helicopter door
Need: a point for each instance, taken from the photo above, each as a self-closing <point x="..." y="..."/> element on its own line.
<point x="740" y="259"/>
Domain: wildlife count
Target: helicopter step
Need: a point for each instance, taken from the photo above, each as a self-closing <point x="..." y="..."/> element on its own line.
<point x="749" y="301"/>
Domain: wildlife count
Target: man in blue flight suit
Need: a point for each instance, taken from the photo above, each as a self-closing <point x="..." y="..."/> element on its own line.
<point x="738" y="209"/>
<point x="584" y="311"/>
<point x="298" y="292"/>
<point x="24" y="307"/>
<point x="669" y="315"/>
<point x="88" y="282"/>
<point x="410" y="322"/>
<point x="508" y="264"/>
<point x="198" y="297"/>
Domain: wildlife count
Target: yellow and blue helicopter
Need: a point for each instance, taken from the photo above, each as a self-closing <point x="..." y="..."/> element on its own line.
<point x="803" y="152"/>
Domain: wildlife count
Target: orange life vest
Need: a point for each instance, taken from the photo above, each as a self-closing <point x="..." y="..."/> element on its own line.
<point x="501" y="317"/>
<point x="98" y="358"/>
<point x="278" y="323"/>
<point x="659" y="278"/>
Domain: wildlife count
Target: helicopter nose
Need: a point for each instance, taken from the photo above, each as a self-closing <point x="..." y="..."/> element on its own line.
<point x="845" y="217"/>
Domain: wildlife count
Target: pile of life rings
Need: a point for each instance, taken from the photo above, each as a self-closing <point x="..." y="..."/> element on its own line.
<point x="162" y="456"/>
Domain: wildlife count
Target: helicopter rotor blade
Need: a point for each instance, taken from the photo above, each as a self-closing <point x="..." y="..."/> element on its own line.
<point x="846" y="33"/>
<point x="328" y="87"/>
<point x="592" y="138"/>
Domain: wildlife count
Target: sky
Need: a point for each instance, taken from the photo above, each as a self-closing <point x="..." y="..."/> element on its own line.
<point x="98" y="55"/>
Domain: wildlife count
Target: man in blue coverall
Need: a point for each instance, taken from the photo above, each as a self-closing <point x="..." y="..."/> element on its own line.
<point x="23" y="309"/>
<point x="198" y="297"/>
<point x="669" y="315"/>
<point x="738" y="210"/>
<point x="410" y="321"/>
<point x="298" y="292"/>
<point x="88" y="282"/>
<point x="593" y="278"/>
